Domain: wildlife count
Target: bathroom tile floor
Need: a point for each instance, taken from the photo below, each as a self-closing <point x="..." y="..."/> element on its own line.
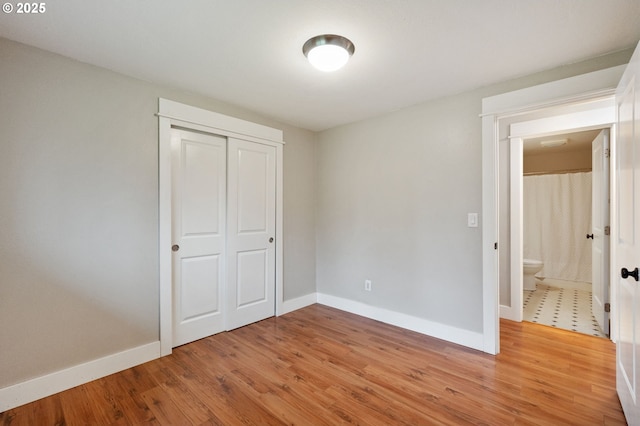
<point x="561" y="307"/>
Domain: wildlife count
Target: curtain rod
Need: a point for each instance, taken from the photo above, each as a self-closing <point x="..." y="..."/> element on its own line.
<point x="557" y="172"/>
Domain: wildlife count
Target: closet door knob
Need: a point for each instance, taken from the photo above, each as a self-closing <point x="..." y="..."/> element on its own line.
<point x="175" y="247"/>
<point x="589" y="236"/>
<point x="625" y="273"/>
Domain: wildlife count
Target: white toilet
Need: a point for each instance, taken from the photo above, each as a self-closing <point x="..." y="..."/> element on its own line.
<point x="529" y="269"/>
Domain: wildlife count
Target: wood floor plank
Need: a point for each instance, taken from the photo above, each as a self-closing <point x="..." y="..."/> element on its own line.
<point x="322" y="366"/>
<point x="129" y="385"/>
<point x="44" y="411"/>
<point x="104" y="402"/>
<point x="76" y="406"/>
<point x="213" y="384"/>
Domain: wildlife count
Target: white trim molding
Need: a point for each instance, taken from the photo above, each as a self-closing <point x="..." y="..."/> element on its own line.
<point x="490" y="263"/>
<point x="589" y="92"/>
<point x="597" y="115"/>
<point x="221" y="124"/>
<point x="455" y="335"/>
<point x="581" y="88"/>
<point x="40" y="387"/>
<point x="298" y="303"/>
<point x="516" y="230"/>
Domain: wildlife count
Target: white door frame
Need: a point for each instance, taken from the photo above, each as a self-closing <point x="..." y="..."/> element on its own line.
<point x="600" y="115"/>
<point x="174" y="114"/>
<point x="495" y="111"/>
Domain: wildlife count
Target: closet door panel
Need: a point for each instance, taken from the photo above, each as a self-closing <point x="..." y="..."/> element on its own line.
<point x="251" y="207"/>
<point x="253" y="191"/>
<point x="252" y="277"/>
<point x="198" y="234"/>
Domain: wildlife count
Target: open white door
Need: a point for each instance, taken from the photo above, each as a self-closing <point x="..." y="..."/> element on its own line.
<point x="627" y="241"/>
<point x="198" y="234"/>
<point x="251" y="232"/>
<point x="599" y="227"/>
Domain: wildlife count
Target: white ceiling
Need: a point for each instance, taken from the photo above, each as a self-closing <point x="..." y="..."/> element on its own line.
<point x="249" y="52"/>
<point x="577" y="141"/>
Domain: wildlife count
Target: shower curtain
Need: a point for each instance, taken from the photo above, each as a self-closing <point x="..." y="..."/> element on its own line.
<point x="557" y="218"/>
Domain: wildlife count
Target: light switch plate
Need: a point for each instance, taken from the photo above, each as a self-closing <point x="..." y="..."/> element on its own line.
<point x="472" y="220"/>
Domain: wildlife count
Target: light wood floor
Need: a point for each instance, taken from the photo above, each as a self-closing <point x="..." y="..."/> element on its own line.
<point x="321" y="366"/>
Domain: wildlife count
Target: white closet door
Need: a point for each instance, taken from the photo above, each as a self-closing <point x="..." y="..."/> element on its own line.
<point x="251" y="207"/>
<point x="198" y="234"/>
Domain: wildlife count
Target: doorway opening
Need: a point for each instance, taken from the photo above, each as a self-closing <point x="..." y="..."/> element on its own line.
<point x="550" y="126"/>
<point x="266" y="153"/>
<point x="502" y="123"/>
<point x="565" y="204"/>
<point x="584" y="102"/>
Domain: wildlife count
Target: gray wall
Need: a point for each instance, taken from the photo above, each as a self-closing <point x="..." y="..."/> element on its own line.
<point x="383" y="199"/>
<point x="79" y="210"/>
<point x="299" y="212"/>
<point x="393" y="198"/>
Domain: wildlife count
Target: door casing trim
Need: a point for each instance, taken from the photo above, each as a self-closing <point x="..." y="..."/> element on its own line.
<point x="601" y="116"/>
<point x="175" y="114"/>
<point x="579" y="89"/>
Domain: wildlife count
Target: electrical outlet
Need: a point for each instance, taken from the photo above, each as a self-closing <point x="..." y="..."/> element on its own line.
<point x="367" y="285"/>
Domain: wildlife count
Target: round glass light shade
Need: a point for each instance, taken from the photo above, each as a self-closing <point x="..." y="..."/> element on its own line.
<point x="328" y="52"/>
<point x="328" y="57"/>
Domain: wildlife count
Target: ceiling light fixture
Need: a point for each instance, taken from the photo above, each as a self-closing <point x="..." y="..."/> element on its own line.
<point x="328" y="52"/>
<point x="554" y="142"/>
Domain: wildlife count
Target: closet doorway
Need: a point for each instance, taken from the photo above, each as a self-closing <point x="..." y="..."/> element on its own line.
<point x="220" y="223"/>
<point x="223" y="233"/>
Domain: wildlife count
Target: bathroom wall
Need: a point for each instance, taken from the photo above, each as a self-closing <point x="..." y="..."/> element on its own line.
<point x="557" y="162"/>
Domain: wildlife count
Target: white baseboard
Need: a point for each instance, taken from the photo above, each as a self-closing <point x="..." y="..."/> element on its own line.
<point x="298" y="303"/>
<point x="444" y="332"/>
<point x="507" y="312"/>
<point x="40" y="387"/>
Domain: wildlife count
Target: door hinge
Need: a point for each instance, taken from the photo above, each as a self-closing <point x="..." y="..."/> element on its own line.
<point x="495" y="246"/>
<point x="606" y="153"/>
<point x="607" y="230"/>
<point x="607" y="307"/>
